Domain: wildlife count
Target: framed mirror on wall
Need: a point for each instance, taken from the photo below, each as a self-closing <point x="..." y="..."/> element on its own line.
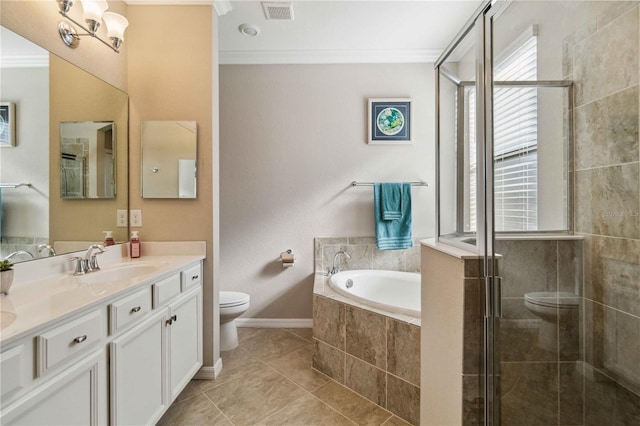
<point x="169" y="153"/>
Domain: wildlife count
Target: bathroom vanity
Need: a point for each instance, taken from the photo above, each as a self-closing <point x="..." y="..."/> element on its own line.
<point x="114" y="346"/>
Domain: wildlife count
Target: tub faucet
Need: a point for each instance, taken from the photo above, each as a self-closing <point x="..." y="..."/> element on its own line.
<point x="336" y="268"/>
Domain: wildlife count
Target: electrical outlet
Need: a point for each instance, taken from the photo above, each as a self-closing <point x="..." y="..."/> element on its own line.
<point x="121" y="219"/>
<point x="136" y="218"/>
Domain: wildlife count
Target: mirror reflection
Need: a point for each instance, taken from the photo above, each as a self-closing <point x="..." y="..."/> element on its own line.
<point x="49" y="93"/>
<point x="87" y="160"/>
<point x="169" y="159"/>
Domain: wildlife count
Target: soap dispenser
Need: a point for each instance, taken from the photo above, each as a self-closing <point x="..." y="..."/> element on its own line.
<point x="134" y="245"/>
<point x="108" y="238"/>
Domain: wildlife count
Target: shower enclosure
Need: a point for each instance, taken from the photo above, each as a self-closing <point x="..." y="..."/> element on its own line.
<point x="538" y="171"/>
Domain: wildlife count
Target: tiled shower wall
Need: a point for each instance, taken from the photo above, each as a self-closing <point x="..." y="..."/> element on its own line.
<point x="604" y="62"/>
<point x="376" y="356"/>
<point x="538" y="363"/>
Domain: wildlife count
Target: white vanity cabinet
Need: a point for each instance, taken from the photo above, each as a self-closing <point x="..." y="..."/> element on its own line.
<point x="76" y="396"/>
<point x="154" y="361"/>
<point x="121" y="361"/>
<point x="138" y="365"/>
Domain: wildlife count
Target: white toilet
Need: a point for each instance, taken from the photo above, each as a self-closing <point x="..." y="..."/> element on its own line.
<point x="551" y="307"/>
<point x="232" y="305"/>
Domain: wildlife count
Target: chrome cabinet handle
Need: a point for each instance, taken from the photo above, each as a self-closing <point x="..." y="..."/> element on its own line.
<point x="136" y="309"/>
<point x="80" y="339"/>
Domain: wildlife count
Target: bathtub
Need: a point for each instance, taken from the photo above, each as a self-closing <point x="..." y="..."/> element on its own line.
<point x="393" y="291"/>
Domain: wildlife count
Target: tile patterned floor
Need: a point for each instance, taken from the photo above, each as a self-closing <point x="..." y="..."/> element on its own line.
<point x="268" y="380"/>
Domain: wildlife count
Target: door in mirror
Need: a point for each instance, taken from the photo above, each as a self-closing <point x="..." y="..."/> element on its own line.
<point x="169" y="159"/>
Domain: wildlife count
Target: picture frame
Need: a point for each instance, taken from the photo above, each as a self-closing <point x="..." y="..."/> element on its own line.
<point x="7" y="124"/>
<point x="389" y="121"/>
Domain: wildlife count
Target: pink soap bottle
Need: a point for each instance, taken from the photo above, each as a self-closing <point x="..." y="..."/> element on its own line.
<point x="108" y="238"/>
<point x="134" y="245"/>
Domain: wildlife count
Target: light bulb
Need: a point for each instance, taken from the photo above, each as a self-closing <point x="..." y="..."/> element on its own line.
<point x="116" y="25"/>
<point x="92" y="12"/>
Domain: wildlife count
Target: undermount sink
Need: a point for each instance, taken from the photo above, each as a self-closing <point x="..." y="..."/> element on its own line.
<point x="112" y="274"/>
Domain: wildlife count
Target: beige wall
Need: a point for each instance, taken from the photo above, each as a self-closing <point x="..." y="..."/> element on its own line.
<point x="171" y="69"/>
<point x="292" y="139"/>
<point x="76" y="95"/>
<point x="37" y="20"/>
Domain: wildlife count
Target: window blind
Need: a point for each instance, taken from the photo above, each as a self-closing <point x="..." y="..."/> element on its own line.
<point x="515" y="130"/>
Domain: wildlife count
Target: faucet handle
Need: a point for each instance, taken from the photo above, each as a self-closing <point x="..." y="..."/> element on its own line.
<point x="80" y="267"/>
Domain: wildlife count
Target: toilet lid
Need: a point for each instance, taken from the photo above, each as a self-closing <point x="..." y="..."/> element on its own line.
<point x="233" y="298"/>
<point x="553" y="299"/>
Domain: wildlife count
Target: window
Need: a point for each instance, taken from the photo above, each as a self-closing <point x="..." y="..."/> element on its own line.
<point x="515" y="138"/>
<point x="515" y="133"/>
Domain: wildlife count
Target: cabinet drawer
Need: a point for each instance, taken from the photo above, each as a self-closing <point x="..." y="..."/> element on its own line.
<point x="191" y="277"/>
<point x="126" y="311"/>
<point x="165" y="290"/>
<point x="67" y="340"/>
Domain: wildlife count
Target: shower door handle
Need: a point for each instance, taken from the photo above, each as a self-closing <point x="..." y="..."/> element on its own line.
<point x="493" y="297"/>
<point x="497" y="294"/>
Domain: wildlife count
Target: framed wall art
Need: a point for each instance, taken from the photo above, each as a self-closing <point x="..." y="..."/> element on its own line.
<point x="7" y="124"/>
<point x="389" y="121"/>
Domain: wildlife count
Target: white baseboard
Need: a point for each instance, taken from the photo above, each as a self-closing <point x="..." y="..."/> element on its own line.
<point x="275" y="322"/>
<point x="209" y="373"/>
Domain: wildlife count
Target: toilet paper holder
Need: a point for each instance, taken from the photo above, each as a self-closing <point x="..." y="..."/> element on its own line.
<point x="287" y="258"/>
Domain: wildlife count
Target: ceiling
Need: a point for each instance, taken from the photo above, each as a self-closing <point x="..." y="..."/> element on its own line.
<point x="345" y="31"/>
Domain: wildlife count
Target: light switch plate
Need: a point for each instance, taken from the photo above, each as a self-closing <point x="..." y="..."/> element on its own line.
<point x="121" y="219"/>
<point x="136" y="218"/>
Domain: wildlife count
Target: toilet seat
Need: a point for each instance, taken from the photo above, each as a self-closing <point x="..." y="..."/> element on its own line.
<point x="230" y="299"/>
<point x="552" y="299"/>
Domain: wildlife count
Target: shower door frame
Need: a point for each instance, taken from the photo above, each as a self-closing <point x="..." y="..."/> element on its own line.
<point x="485" y="220"/>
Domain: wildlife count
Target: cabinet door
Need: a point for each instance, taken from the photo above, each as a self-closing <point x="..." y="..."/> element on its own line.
<point x="76" y="396"/>
<point x="185" y="340"/>
<point x="138" y="363"/>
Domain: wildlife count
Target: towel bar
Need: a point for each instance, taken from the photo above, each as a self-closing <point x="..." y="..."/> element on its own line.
<point x="418" y="183"/>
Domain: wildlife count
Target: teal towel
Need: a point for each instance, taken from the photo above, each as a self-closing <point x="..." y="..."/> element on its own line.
<point x="393" y="234"/>
<point x="391" y="201"/>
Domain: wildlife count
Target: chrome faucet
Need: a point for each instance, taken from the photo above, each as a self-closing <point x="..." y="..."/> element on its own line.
<point x="336" y="268"/>
<point x="18" y="253"/>
<point x="42" y="247"/>
<point x="90" y="261"/>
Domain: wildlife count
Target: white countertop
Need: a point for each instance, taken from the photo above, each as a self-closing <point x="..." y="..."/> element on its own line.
<point x="45" y="291"/>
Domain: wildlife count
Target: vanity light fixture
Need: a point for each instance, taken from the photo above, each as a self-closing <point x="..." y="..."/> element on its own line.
<point x="94" y="12"/>
<point x="249" y="30"/>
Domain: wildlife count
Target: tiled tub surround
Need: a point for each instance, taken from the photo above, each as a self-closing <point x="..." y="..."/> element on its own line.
<point x="371" y="351"/>
<point x="364" y="255"/>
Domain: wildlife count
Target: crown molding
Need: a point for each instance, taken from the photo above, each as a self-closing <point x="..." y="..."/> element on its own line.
<point x="25" y="61"/>
<point x="239" y="57"/>
<point x="222" y="7"/>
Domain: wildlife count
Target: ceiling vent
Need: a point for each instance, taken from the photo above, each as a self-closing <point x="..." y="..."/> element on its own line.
<point x="278" y="11"/>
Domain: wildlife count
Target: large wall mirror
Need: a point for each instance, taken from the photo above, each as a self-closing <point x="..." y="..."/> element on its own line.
<point x="55" y="101"/>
